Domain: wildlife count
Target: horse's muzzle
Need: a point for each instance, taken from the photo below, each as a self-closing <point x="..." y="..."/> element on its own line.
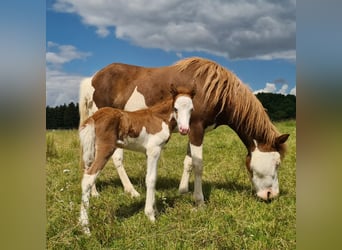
<point x="267" y="194"/>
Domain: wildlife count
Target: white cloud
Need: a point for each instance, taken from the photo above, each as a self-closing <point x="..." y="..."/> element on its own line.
<point x="62" y="87"/>
<point x="60" y="54"/>
<point x="272" y="88"/>
<point x="179" y="55"/>
<point x="235" y="29"/>
<point x="269" y="88"/>
<point x="293" y="91"/>
<point x="283" y="89"/>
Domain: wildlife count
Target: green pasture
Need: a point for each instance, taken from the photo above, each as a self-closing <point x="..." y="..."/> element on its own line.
<point x="232" y="218"/>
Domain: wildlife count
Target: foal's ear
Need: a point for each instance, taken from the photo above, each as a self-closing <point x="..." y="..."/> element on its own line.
<point x="173" y="90"/>
<point x="282" y="139"/>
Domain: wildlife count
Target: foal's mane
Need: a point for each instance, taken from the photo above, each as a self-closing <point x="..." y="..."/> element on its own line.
<point x="222" y="87"/>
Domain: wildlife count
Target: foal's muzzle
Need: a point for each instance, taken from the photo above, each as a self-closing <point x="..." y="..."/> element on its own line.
<point x="183" y="131"/>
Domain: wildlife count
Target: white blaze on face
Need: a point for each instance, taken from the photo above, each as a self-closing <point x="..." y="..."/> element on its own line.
<point x="183" y="107"/>
<point x="264" y="167"/>
<point x="135" y="102"/>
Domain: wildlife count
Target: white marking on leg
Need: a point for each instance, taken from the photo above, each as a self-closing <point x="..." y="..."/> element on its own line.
<point x="118" y="162"/>
<point x="197" y="163"/>
<point x="94" y="192"/>
<point x="136" y="101"/>
<point x="184" y="184"/>
<point x="151" y="178"/>
<point x="87" y="183"/>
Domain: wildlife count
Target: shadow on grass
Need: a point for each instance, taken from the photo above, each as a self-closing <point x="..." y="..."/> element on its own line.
<point x="165" y="184"/>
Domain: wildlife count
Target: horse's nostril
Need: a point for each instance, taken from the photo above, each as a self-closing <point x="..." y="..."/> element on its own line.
<point x="268" y="195"/>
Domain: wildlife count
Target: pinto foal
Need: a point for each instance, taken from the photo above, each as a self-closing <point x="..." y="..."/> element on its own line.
<point x="146" y="131"/>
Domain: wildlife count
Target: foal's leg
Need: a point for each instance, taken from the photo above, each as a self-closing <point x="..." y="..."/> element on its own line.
<point x="117" y="159"/>
<point x="184" y="184"/>
<point x="151" y="178"/>
<point x="88" y="181"/>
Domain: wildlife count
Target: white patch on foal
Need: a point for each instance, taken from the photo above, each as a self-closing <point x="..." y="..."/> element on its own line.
<point x="264" y="166"/>
<point x="136" y="101"/>
<point x="144" y="140"/>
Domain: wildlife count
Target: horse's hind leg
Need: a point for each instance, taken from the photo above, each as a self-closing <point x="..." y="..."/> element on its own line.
<point x="118" y="163"/>
<point x="184" y="183"/>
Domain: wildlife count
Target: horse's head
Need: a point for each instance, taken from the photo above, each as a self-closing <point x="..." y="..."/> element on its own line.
<point x="182" y="107"/>
<point x="262" y="164"/>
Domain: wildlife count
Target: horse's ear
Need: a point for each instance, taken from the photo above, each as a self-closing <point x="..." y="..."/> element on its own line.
<point x="281" y="139"/>
<point x="193" y="91"/>
<point x="173" y="90"/>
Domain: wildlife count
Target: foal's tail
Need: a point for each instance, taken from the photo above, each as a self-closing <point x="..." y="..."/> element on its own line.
<point x="87" y="139"/>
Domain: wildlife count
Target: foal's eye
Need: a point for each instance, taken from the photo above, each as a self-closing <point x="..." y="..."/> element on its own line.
<point x="175" y="109"/>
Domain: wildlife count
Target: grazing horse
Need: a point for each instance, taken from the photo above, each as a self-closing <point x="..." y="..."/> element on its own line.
<point x="146" y="131"/>
<point x="221" y="99"/>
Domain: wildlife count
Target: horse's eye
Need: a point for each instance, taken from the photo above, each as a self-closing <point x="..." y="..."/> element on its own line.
<point x="175" y="109"/>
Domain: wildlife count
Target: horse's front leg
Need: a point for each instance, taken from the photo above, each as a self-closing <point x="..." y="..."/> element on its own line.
<point x="197" y="163"/>
<point x="118" y="163"/>
<point x="184" y="183"/>
<point x="151" y="178"/>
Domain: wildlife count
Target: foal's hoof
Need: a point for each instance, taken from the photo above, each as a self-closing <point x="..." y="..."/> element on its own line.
<point x="133" y="193"/>
<point x="152" y="218"/>
<point x="95" y="194"/>
<point x="183" y="190"/>
<point x="86" y="231"/>
<point x="150" y="215"/>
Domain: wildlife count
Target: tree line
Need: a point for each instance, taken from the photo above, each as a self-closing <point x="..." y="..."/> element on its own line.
<point x="279" y="107"/>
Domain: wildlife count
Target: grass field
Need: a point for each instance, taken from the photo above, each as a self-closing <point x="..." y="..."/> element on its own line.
<point x="233" y="218"/>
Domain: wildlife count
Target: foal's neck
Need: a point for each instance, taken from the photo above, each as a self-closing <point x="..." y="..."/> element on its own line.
<point x="163" y="109"/>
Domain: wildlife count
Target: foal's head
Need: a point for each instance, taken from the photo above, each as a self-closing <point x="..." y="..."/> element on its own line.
<point x="262" y="165"/>
<point x="182" y="107"/>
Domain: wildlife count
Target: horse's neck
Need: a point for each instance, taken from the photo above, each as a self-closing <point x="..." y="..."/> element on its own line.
<point x="262" y="136"/>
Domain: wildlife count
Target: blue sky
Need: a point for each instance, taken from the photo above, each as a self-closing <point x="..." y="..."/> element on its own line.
<point x="254" y="39"/>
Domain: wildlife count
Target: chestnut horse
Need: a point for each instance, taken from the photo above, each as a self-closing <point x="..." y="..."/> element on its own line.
<point x="146" y="131"/>
<point x="221" y="99"/>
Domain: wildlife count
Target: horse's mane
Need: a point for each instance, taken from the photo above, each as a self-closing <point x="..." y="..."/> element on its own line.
<point x="223" y="87"/>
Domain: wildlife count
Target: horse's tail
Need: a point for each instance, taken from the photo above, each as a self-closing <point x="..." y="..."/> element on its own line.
<point x="87" y="139"/>
<point x="85" y="104"/>
<point x="85" y="100"/>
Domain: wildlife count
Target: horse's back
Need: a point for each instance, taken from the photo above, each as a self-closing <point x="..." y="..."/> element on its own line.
<point x="114" y="84"/>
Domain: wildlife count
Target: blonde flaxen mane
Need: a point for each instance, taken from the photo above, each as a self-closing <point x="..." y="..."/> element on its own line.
<point x="222" y="86"/>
